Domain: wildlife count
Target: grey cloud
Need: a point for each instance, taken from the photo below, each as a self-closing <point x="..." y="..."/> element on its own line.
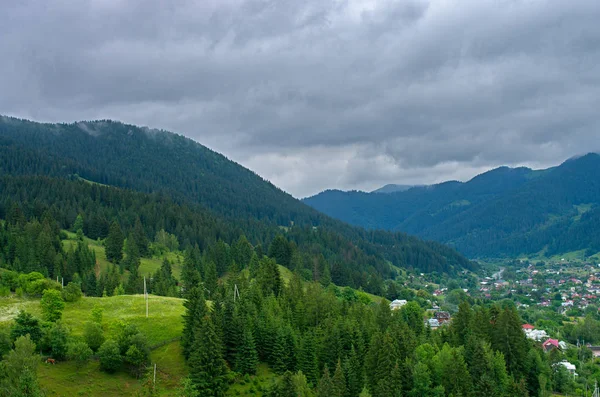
<point x="320" y="93"/>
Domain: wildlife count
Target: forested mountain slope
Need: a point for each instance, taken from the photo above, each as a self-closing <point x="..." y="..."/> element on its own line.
<point x="502" y="212"/>
<point x="174" y="183"/>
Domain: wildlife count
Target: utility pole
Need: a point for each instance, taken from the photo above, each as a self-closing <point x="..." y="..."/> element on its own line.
<point x="146" y="296"/>
<point x="236" y="292"/>
<point x="154" y="384"/>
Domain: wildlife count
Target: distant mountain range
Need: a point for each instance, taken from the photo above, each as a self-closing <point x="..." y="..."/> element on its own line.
<point x="503" y="212"/>
<point x="169" y="167"/>
<point x="391" y="188"/>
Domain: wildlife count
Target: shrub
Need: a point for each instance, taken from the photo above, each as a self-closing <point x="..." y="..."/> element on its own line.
<point x="58" y="337"/>
<point x="26" y="324"/>
<point x="79" y="351"/>
<point x="5" y="343"/>
<point x="110" y="356"/>
<point x="52" y="305"/>
<point x="72" y="292"/>
<point x="136" y="359"/>
<point x="94" y="336"/>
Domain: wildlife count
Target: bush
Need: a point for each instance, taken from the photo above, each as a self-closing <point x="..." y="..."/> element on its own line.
<point x="94" y="336"/>
<point x="9" y="278"/>
<point x="110" y="356"/>
<point x="136" y="359"/>
<point x="26" y="324"/>
<point x="72" y="292"/>
<point x="5" y="343"/>
<point x="79" y="351"/>
<point x="52" y="305"/>
<point x="58" y="337"/>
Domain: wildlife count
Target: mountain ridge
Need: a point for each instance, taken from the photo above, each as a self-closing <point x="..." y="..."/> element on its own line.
<point x="158" y="162"/>
<point x="504" y="211"/>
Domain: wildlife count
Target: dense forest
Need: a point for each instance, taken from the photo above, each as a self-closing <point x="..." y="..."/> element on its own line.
<point x="170" y="182"/>
<point x="330" y="347"/>
<point x="504" y="212"/>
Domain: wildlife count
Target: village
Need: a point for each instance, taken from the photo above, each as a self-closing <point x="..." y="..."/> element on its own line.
<point x="560" y="301"/>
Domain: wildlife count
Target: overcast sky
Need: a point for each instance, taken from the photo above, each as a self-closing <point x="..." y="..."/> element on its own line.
<point x="316" y="94"/>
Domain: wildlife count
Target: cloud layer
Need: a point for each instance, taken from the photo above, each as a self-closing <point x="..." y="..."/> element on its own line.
<point x="319" y="94"/>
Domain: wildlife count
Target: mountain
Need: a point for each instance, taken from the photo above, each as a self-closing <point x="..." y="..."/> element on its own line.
<point x="503" y="212"/>
<point x="391" y="188"/>
<point x="124" y="166"/>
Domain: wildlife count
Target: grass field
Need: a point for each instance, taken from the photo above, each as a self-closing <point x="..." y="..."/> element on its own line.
<point x="164" y="321"/>
<point x="148" y="266"/>
<point x="164" y="324"/>
<point x="253" y="385"/>
<point x="68" y="379"/>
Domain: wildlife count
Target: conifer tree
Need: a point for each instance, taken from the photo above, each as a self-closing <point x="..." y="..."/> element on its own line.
<point x="195" y="306"/>
<point x="190" y="274"/>
<point x="325" y="388"/>
<point x="280" y="354"/>
<point x="78" y="224"/>
<point x="114" y="243"/>
<point x="339" y="381"/>
<point x="247" y="357"/>
<point x="140" y="238"/>
<point x="462" y="324"/>
<point x="210" y="277"/>
<point x="135" y="283"/>
<point x="307" y="358"/>
<point x="354" y="373"/>
<point x="509" y="339"/>
<point x="132" y="251"/>
<point x="208" y="371"/>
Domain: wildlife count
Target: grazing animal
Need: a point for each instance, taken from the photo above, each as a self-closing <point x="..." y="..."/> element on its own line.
<point x="51" y="361"/>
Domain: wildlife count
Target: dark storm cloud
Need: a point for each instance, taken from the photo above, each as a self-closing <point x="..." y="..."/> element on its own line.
<point x="320" y="93"/>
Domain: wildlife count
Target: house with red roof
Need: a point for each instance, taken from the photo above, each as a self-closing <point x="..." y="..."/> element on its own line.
<point x="528" y="327"/>
<point x="550" y="344"/>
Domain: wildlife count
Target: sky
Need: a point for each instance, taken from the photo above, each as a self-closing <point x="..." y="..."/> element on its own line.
<point x="318" y="94"/>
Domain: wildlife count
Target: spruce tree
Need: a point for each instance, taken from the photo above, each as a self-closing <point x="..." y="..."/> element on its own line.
<point x="339" y="381"/>
<point x="114" y="243"/>
<point x="195" y="306"/>
<point x="325" y="388"/>
<point x="307" y="358"/>
<point x="210" y="277"/>
<point x="279" y="357"/>
<point x="135" y="283"/>
<point x="133" y="253"/>
<point x="189" y="272"/>
<point x="208" y="371"/>
<point x="354" y="373"/>
<point x="247" y="357"/>
<point x="140" y="238"/>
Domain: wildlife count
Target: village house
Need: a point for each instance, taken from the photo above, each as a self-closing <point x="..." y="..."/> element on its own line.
<point x="397" y="304"/>
<point x="551" y="344"/>
<point x="442" y="317"/>
<point x="570" y="367"/>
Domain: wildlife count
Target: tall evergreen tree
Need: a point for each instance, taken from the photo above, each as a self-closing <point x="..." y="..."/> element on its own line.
<point x="210" y="277"/>
<point x="190" y="274"/>
<point x="196" y="310"/>
<point x="339" y="381"/>
<point x="114" y="243"/>
<point x="140" y="238"/>
<point x="208" y="371"/>
<point x="354" y="374"/>
<point x="247" y="357"/>
<point x="325" y="388"/>
<point x="307" y="358"/>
